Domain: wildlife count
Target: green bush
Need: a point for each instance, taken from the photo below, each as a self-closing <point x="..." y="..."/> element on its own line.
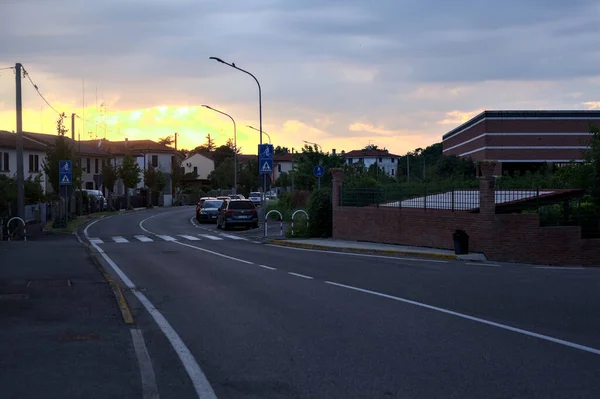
<point x="321" y="213"/>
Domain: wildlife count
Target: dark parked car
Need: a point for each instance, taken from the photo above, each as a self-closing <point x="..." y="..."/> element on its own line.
<point x="233" y="213"/>
<point x="199" y="204"/>
<point x="209" y="211"/>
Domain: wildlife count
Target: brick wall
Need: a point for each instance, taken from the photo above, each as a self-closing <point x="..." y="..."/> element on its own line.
<point x="501" y="237"/>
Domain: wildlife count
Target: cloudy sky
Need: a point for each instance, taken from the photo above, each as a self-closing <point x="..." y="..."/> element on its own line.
<point x="342" y="73"/>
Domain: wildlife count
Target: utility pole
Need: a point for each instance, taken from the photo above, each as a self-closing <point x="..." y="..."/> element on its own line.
<point x="20" y="171"/>
<point x="175" y="141"/>
<point x="408" y="167"/>
<point x="73" y="126"/>
<point x="292" y="171"/>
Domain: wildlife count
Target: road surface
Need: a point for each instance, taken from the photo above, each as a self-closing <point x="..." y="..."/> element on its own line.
<point x="226" y="316"/>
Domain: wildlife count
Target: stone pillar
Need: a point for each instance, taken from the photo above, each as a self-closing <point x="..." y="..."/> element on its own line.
<point x="336" y="192"/>
<point x="487" y="189"/>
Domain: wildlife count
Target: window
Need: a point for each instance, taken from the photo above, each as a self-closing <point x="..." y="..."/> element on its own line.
<point x="96" y="166"/>
<point x="380" y="160"/>
<point x="392" y="170"/>
<point x="88" y="184"/>
<point x="279" y="167"/>
<point x="360" y="160"/>
<point x="393" y="160"/>
<point x="88" y="164"/>
<point x="240" y="204"/>
<point x="195" y="170"/>
<point x="4" y="166"/>
<point x="34" y="163"/>
<point x="154" y="161"/>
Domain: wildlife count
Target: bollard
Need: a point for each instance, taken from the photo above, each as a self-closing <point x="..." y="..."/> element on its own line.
<point x="281" y="227"/>
<point x="25" y="233"/>
<point x="292" y="227"/>
<point x="266" y="227"/>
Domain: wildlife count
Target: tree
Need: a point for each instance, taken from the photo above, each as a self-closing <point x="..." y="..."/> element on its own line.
<point x="208" y="147"/>
<point x="129" y="172"/>
<point x="221" y="153"/>
<point x="231" y="145"/>
<point x="166" y="140"/>
<point x="155" y="180"/>
<point x="8" y="194"/>
<point x="57" y="152"/>
<point x="177" y="173"/>
<point x="283" y="180"/>
<point x="222" y="176"/>
<point x="110" y="174"/>
<point x="248" y="178"/>
<point x="592" y="157"/>
<point x="372" y="147"/>
<point x="279" y="150"/>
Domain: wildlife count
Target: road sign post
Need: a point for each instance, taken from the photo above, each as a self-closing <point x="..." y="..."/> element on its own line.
<point x="65" y="178"/>
<point x="265" y="168"/>
<point x="319" y="171"/>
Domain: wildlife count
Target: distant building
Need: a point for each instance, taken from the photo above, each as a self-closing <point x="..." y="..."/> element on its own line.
<point x="518" y="140"/>
<point x="382" y="158"/>
<point x="200" y="164"/>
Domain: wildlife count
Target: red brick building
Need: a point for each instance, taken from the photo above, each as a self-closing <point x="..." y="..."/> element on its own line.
<point x="519" y="139"/>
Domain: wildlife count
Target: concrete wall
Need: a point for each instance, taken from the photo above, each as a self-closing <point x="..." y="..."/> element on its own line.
<point x="502" y="237"/>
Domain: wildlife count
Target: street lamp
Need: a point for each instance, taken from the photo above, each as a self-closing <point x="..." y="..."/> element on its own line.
<point x="253" y="128"/>
<point x="234" y="145"/>
<point x="232" y="65"/>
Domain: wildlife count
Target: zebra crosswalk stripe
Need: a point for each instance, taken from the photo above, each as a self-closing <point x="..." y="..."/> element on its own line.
<point x="119" y="240"/>
<point x="191" y="238"/>
<point x="167" y="238"/>
<point x="234" y="237"/>
<point x="214" y="238"/>
<point x="143" y="238"/>
<point x="96" y="241"/>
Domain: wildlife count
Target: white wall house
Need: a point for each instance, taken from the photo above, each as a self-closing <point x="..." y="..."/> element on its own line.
<point x="34" y="155"/>
<point x="201" y="164"/>
<point x="382" y="158"/>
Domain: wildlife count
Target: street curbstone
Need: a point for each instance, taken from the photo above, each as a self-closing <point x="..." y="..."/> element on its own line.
<point x="362" y="250"/>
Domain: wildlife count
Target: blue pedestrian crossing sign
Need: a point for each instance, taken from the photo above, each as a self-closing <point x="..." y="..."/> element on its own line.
<point x="65" y="172"/>
<point x="266" y="166"/>
<point x="265" y="159"/>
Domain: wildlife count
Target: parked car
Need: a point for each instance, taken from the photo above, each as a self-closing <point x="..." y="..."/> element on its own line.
<point x="209" y="211"/>
<point x="255" y="197"/>
<point x="200" y="203"/>
<point x="234" y="213"/>
<point x="237" y="196"/>
<point x="96" y="195"/>
<point x="223" y="197"/>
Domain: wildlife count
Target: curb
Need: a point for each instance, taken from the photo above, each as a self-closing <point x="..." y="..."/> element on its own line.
<point x="118" y="293"/>
<point x="361" y="250"/>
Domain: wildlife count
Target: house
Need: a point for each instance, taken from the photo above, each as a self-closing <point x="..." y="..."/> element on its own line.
<point x="34" y="155"/>
<point x="90" y="158"/>
<point x="147" y="153"/>
<point x="282" y="164"/>
<point x="382" y="158"/>
<point x="200" y="164"/>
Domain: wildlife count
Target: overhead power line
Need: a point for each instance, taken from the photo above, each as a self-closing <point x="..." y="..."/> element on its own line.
<point x="26" y="74"/>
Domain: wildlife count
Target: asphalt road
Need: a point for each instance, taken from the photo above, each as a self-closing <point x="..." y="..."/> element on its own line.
<point x="269" y="322"/>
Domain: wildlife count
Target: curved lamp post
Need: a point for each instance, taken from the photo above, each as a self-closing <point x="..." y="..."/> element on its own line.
<point x="253" y="128"/>
<point x="234" y="145"/>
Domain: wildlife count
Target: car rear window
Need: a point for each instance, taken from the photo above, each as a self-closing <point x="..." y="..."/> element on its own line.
<point x="241" y="205"/>
<point x="255" y="194"/>
<point x="212" y="204"/>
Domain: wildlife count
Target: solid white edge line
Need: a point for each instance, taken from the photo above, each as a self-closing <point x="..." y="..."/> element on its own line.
<point x="472" y="318"/>
<point x="267" y="267"/>
<point x="481" y="264"/>
<point x="149" y="388"/>
<point x="560" y="267"/>
<point x="301" y="275"/>
<point x="201" y="384"/>
<point x="399" y="257"/>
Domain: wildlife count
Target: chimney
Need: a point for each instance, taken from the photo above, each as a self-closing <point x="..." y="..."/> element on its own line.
<point x="333" y="151"/>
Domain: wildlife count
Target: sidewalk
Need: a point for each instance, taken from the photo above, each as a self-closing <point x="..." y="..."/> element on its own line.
<point x="62" y="332"/>
<point x="375" y="248"/>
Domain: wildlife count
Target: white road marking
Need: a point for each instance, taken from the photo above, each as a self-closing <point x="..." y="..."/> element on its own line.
<point x="482" y="264"/>
<point x="95" y="241"/>
<point x="399" y="257"/>
<point x="149" y="388"/>
<point x="143" y="238"/>
<point x="201" y="384"/>
<point x="560" y="267"/>
<point x="267" y="267"/>
<point x="301" y="275"/>
<point x="191" y="238"/>
<point x="119" y="240"/>
<point x="211" y="237"/>
<point x="234" y="237"/>
<point x="472" y="318"/>
<point x="166" y="238"/>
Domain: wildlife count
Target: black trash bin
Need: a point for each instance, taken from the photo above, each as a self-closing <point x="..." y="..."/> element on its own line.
<point x="461" y="242"/>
